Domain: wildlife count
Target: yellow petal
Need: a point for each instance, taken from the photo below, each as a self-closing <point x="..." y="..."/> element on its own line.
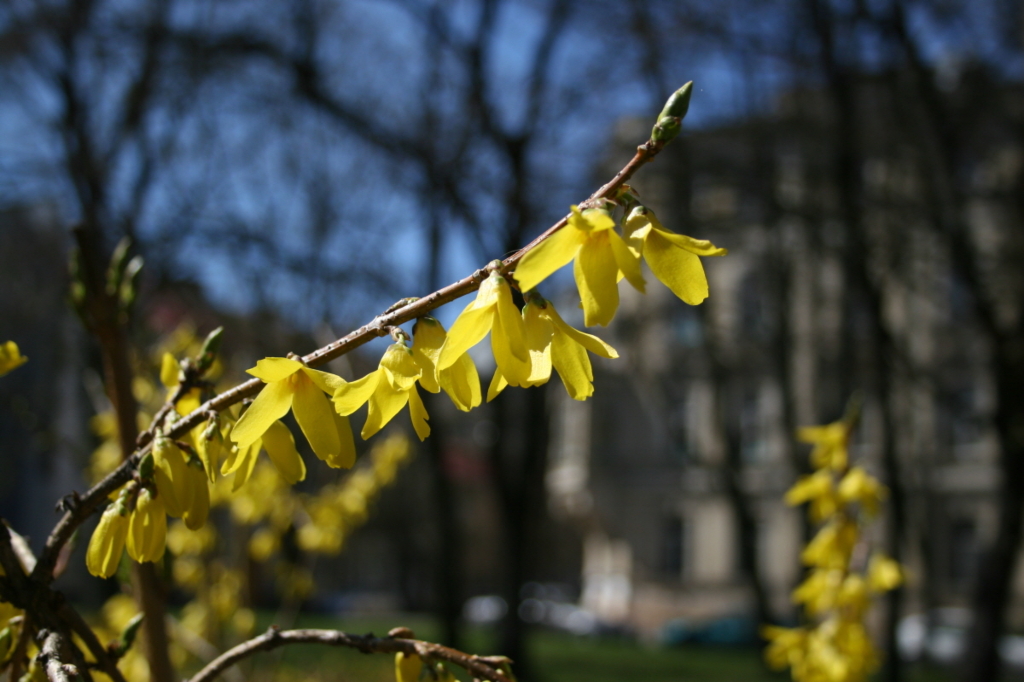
<point x="280" y="447"/>
<point x="884" y="573"/>
<point x="701" y="247"/>
<point x="596" y="272"/>
<point x="271" y="404"/>
<point x="551" y="254"/>
<point x="469" y="329"/>
<point x="677" y="268"/>
<point x="275" y="369"/>
<point x="428" y="336"/>
<point x="515" y="370"/>
<point x="402" y="370"/>
<point x="247" y="462"/>
<point x="595" y="219"/>
<point x="539" y="331"/>
<point x="462" y="383"/>
<point x="313" y="413"/>
<point x="170" y="473"/>
<point x="636" y="229"/>
<point x="10" y="357"/>
<point x="147" y="528"/>
<point x="189" y="402"/>
<point x="346" y="456"/>
<point x="627" y="261"/>
<point x="588" y="341"/>
<point x="325" y="381"/>
<point x="107" y="543"/>
<point x="385" y="403"/>
<point x="169" y="371"/>
<point x="354" y="394"/>
<point x="199" y="500"/>
<point x="512" y="323"/>
<point x="408" y="668"/>
<point x="573" y="366"/>
<point x="497" y="385"/>
<point x="418" y="414"/>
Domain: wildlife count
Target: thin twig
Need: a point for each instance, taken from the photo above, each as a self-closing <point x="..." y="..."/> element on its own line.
<point x="477" y="666"/>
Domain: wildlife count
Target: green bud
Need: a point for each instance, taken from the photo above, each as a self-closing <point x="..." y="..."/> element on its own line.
<point x="666" y="128"/>
<point x="5" y="642"/>
<point x="118" y="263"/>
<point x="678" y="102"/>
<point x="211" y="346"/>
<point x="146" y="467"/>
<point x="127" y="638"/>
<point x="129" y="288"/>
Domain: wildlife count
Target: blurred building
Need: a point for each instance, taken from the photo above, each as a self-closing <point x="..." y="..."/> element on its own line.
<point x="693" y="427"/>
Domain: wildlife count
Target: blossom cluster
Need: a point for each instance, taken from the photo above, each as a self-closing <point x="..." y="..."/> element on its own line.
<point x="843" y="575"/>
<point x="529" y="341"/>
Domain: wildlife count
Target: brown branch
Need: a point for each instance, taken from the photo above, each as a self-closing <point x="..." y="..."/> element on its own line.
<point x="91" y="500"/>
<point x="481" y="667"/>
<point x="50" y="657"/>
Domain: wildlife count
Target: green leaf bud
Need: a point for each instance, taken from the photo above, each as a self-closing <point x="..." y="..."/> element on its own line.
<point x="118" y="263"/>
<point x="5" y="642"/>
<point x="211" y="346"/>
<point x="678" y="102"/>
<point x="127" y="638"/>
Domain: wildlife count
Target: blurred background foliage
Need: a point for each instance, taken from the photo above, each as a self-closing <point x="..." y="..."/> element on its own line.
<point x="289" y="169"/>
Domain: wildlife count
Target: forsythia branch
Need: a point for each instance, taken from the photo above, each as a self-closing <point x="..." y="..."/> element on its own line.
<point x="85" y="505"/>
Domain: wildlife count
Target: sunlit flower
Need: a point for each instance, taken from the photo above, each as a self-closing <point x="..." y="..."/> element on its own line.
<point x="293" y="386"/>
<point x="408" y="667"/>
<point x="279" y="445"/>
<point x="858" y="486"/>
<point x="387" y="389"/>
<point x="460" y="381"/>
<point x="600" y="256"/>
<point x="830" y="444"/>
<point x="10" y="357"/>
<point x="147" y="528"/>
<point x="673" y="258"/>
<point x="884" y="573"/>
<point x="107" y="542"/>
<point x="786" y="646"/>
<point x="553" y="343"/>
<point x="832" y="545"/>
<point x="181" y="483"/>
<point x="491" y="311"/>
<point x="819" y="489"/>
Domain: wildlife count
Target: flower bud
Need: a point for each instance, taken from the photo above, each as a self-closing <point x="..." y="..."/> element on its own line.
<point x="147" y="528"/>
<point x="107" y="542"/>
<point x="407" y="667"/>
<point x="678" y="102"/>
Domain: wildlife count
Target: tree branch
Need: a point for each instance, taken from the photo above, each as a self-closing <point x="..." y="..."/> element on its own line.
<point x="481" y="667"/>
<point x="50" y="657"/>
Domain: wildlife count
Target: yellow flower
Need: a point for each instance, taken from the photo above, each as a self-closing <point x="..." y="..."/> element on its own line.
<point x="292" y="385"/>
<point x="830" y="442"/>
<point x="147" y="528"/>
<point x="673" y="258"/>
<point x="407" y="667"/>
<point x="388" y="388"/>
<point x="786" y="646"/>
<point x="10" y="357"/>
<point x="492" y="311"/>
<point x="819" y="591"/>
<point x="181" y="483"/>
<point x="884" y="573"/>
<point x="818" y="489"/>
<point x="853" y="596"/>
<point x="600" y="255"/>
<point x="553" y="343"/>
<point x="279" y="445"/>
<point x="460" y="381"/>
<point x="858" y="486"/>
<point x="107" y="542"/>
<point x="832" y="545"/>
